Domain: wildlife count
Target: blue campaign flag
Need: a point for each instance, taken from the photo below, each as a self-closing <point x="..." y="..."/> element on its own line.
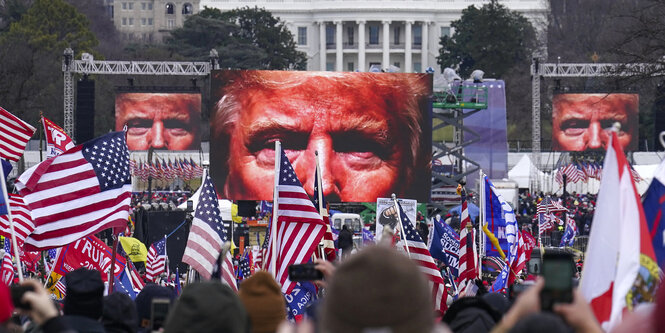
<point x="368" y="238"/>
<point x="654" y="211"/>
<point x="497" y="214"/>
<point x="568" y="238"/>
<point x="445" y="246"/>
<point x="298" y="300"/>
<point x="122" y="284"/>
<point x="6" y="168"/>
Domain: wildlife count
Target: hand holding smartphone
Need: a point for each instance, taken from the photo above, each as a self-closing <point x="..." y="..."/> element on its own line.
<point x="304" y="272"/>
<point x="558" y="270"/>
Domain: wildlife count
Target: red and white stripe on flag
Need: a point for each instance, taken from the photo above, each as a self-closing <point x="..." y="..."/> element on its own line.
<point x="300" y="227"/>
<point x="23" y="225"/>
<point x="7" y="269"/>
<point x="14" y="135"/>
<point x="467" y="258"/>
<point x="619" y="263"/>
<point x="80" y="192"/>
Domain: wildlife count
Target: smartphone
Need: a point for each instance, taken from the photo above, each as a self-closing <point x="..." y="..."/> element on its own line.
<point x="17" y="292"/>
<point x="304" y="272"/>
<point x="158" y="312"/>
<point x="558" y="270"/>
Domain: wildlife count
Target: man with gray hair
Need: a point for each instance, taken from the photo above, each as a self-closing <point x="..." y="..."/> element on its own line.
<point x="372" y="132"/>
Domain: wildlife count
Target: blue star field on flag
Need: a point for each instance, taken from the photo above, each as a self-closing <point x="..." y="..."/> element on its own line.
<point x="208" y="209"/>
<point x="110" y="160"/>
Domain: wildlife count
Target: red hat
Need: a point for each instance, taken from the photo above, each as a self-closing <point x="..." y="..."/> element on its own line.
<point x="6" y="305"/>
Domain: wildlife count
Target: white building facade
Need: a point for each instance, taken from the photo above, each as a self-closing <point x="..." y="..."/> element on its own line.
<point x="348" y="35"/>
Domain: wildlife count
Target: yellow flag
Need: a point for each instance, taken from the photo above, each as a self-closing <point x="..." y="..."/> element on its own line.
<point x="51" y="285"/>
<point x="134" y="248"/>
<point x="234" y="214"/>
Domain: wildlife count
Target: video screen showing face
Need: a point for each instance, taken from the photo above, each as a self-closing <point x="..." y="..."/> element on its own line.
<point x="372" y="132"/>
<point x="582" y="122"/>
<point x="170" y="121"/>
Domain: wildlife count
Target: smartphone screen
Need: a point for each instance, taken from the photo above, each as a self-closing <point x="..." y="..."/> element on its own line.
<point x="304" y="272"/>
<point x="558" y="271"/>
<point x="159" y="311"/>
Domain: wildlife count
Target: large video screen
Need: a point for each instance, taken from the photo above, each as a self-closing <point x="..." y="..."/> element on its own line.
<point x="583" y="121"/>
<point x="372" y="132"/>
<point x="169" y="121"/>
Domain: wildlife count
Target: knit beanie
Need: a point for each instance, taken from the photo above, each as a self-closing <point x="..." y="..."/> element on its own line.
<point x="208" y="307"/>
<point x="119" y="314"/>
<point x="263" y="301"/>
<point x="85" y="293"/>
<point x="378" y="289"/>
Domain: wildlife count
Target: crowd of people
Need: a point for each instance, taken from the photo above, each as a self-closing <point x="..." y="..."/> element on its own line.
<point x="376" y="289"/>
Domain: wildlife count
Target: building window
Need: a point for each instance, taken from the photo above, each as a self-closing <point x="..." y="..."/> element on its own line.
<point x="373" y="34"/>
<point x="150" y="21"/>
<point x="349" y="35"/>
<point x="170" y="8"/>
<point x="417" y="67"/>
<point x="170" y="23"/>
<point x="350" y="66"/>
<point x="330" y="35"/>
<point x="110" y="10"/>
<point x="330" y="66"/>
<point x="144" y="21"/>
<point x="397" y="64"/>
<point x="302" y="35"/>
<point x="131" y="21"/>
<point x="149" y="5"/>
<point x="445" y="31"/>
<point x="396" y="33"/>
<point x="187" y="9"/>
<point x="130" y="5"/>
<point x="124" y="21"/>
<point x="143" y="6"/>
<point x="124" y="6"/>
<point x="417" y="35"/>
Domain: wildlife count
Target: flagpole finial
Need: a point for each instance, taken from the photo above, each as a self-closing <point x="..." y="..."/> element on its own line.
<point x="393" y="196"/>
<point x="616" y="127"/>
<point x="316" y="152"/>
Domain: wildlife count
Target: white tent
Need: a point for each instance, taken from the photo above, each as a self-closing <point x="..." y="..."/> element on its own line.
<point x="521" y="172"/>
<point x="224" y="205"/>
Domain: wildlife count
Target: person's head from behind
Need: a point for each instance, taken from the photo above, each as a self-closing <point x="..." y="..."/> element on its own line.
<point x="160" y="120"/>
<point x="366" y="128"/>
<point x="144" y="302"/>
<point x="85" y="294"/>
<point x="584" y="121"/>
<point x="208" y="307"/>
<point x="264" y="302"/>
<point x="398" y="299"/>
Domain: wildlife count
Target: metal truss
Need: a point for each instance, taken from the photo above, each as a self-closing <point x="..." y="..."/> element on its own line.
<point x="574" y="70"/>
<point x="87" y="66"/>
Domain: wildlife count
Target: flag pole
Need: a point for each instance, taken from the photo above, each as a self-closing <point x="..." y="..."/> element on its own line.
<point x="481" y="223"/>
<point x="319" y="181"/>
<point x="112" y="270"/>
<point x="41" y="130"/>
<point x="11" y="225"/>
<point x="401" y="226"/>
<point x="273" y="230"/>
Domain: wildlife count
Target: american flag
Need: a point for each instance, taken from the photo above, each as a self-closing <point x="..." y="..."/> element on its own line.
<point x="134" y="278"/>
<point x="327" y="242"/>
<point x="299" y="227"/>
<point x="7" y="269"/>
<point x="206" y="237"/>
<point x="80" y="192"/>
<point x="155" y="263"/>
<point x="61" y="286"/>
<point x="14" y="135"/>
<point x="23" y="225"/>
<point x="418" y="252"/>
<point x="244" y="267"/>
<point x="467" y="250"/>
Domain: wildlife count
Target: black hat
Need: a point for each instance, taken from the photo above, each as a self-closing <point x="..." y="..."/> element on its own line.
<point x="144" y="299"/>
<point x="119" y="314"/>
<point x="85" y="292"/>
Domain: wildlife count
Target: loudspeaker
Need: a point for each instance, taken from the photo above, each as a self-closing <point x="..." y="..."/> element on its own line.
<point x="85" y="111"/>
<point x="159" y="223"/>
<point x="246" y="208"/>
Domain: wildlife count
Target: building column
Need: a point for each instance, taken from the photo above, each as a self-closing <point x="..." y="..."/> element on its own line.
<point x="361" y="45"/>
<point x="322" y="45"/>
<point x="424" y="53"/>
<point x="408" y="65"/>
<point x="339" y="60"/>
<point x="385" y="62"/>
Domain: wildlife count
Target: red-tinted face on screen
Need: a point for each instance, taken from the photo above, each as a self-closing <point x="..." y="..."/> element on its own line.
<point x="162" y="121"/>
<point x="363" y="149"/>
<point x="583" y="121"/>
